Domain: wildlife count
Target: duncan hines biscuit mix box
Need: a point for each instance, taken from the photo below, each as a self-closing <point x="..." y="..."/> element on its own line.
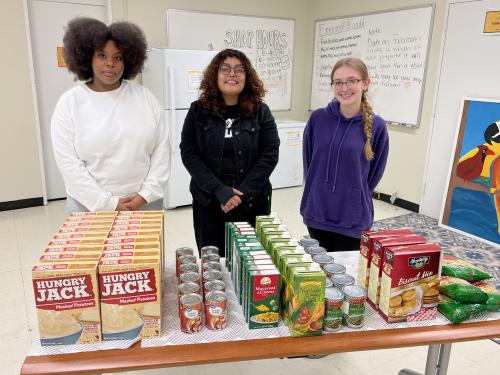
<point x="365" y="250"/>
<point x="130" y="292"/>
<point x="410" y="283"/>
<point x="67" y="302"/>
<point x="379" y="246"/>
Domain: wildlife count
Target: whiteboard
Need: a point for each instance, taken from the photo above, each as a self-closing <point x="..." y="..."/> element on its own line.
<point x="268" y="43"/>
<point x="469" y="68"/>
<point x="394" y="45"/>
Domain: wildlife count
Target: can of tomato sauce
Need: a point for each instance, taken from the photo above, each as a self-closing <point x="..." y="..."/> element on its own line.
<point x="215" y="310"/>
<point x="190" y="312"/>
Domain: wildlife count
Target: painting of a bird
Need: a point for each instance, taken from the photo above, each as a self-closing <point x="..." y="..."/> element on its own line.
<point x="471" y="168"/>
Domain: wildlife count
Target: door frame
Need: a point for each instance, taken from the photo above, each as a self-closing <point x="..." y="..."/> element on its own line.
<point x="31" y="65"/>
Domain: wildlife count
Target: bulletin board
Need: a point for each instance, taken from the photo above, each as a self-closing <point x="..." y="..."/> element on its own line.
<point x="393" y="44"/>
<point x="268" y="43"/>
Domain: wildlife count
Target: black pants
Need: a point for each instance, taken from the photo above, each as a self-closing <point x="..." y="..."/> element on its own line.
<point x="334" y="241"/>
<point x="209" y="222"/>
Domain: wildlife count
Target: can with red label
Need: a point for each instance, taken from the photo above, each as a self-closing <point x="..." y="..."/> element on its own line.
<point x="212" y="275"/>
<point x="185" y="259"/>
<point x="181" y="251"/>
<point x="210" y="257"/>
<point x="190" y="312"/>
<point x="215" y="310"/>
<point x="209" y="250"/>
<point x="193" y="277"/>
<point x="209" y="266"/>
<point x="188" y="267"/>
<point x="188" y="288"/>
<point x="214" y="285"/>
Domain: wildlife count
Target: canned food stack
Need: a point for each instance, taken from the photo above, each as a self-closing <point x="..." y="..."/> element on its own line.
<point x="255" y="278"/>
<point x="403" y="272"/>
<point x="202" y="297"/>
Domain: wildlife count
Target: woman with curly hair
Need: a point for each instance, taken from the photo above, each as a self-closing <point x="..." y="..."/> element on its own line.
<point x="345" y="152"/>
<point x="229" y="145"/>
<point x="109" y="138"/>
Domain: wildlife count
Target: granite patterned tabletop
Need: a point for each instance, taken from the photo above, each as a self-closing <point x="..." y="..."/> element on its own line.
<point x="477" y="252"/>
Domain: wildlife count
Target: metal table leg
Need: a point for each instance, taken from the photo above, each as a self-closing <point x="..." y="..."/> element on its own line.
<point x="438" y="357"/>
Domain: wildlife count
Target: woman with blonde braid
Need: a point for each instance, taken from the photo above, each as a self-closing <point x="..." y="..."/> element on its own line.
<point x="345" y="152"/>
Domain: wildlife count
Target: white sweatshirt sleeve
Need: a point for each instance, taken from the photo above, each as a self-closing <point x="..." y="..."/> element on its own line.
<point x="159" y="170"/>
<point x="80" y="185"/>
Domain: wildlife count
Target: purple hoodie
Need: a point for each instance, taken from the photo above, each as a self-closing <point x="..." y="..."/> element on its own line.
<point x="339" y="181"/>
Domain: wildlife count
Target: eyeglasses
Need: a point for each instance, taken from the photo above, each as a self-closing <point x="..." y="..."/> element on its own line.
<point x="350" y="83"/>
<point x="226" y="70"/>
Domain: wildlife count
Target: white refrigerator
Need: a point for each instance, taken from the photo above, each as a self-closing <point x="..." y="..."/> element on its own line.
<point x="174" y="76"/>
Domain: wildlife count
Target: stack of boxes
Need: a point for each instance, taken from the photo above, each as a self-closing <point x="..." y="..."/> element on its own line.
<point x="272" y="273"/>
<point x="398" y="268"/>
<point x="100" y="278"/>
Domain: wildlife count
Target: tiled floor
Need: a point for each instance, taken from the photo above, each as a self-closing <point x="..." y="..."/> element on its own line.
<point x="23" y="233"/>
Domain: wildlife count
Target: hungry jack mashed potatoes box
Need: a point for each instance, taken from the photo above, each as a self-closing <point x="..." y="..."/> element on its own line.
<point x="67" y="302"/>
<point x="410" y="282"/>
<point x="130" y="292"/>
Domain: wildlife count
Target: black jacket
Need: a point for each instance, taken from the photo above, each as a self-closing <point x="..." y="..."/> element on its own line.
<point x="256" y="149"/>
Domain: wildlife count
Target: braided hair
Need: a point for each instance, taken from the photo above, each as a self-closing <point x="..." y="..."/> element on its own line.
<point x="360" y="67"/>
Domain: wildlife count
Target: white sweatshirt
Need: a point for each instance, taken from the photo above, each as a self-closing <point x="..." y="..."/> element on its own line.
<point x="111" y="144"/>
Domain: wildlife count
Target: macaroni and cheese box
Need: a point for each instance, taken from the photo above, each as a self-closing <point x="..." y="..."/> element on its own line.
<point x="263" y="299"/>
<point x="410" y="283"/>
<point x="366" y="250"/>
<point x="67" y="302"/>
<point x="130" y="292"/>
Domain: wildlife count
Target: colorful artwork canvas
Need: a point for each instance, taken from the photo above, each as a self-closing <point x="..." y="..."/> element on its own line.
<point x="472" y="200"/>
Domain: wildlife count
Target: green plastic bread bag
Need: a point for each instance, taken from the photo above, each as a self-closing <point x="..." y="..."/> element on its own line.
<point x="493" y="294"/>
<point x="457" y="312"/>
<point x="462" y="291"/>
<point x="452" y="266"/>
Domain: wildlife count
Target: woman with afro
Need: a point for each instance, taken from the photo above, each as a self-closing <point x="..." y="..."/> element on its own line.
<point x="229" y="145"/>
<point x="109" y="138"/>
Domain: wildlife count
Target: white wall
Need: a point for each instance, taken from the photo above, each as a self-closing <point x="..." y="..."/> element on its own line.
<point x="406" y="164"/>
<point x="20" y="169"/>
<point x="153" y="19"/>
<point x="408" y="147"/>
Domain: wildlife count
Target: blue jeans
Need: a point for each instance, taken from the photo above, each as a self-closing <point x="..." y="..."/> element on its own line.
<point x="72" y="205"/>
